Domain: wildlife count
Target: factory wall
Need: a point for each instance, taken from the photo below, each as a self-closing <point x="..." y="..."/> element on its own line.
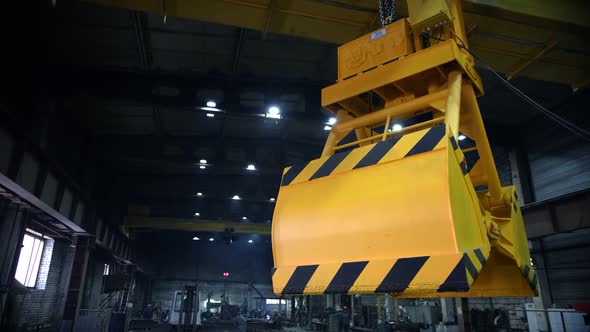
<point x="500" y="153"/>
<point x="174" y="255"/>
<point x="92" y="287"/>
<point x="12" y="224"/>
<point x="559" y="160"/>
<point x="559" y="164"/>
<point x="163" y="290"/>
<point x="44" y="306"/>
<point x="172" y="260"/>
<point x="46" y="151"/>
<point x="564" y="264"/>
<point x="53" y="127"/>
<point x="514" y="307"/>
<point x="41" y="305"/>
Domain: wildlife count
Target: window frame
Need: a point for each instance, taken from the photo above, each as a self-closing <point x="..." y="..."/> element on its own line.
<point x="29" y="281"/>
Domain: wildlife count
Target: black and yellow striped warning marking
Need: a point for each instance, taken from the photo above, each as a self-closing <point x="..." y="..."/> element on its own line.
<point x="531" y="278"/>
<point x="392" y="149"/>
<point x="444" y="273"/>
<point x="468" y="159"/>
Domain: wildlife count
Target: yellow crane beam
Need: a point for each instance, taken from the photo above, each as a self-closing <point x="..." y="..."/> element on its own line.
<point x="502" y="26"/>
<point x="569" y="12"/>
<point x="534" y="57"/>
<point x="341" y="21"/>
<point x="194" y="225"/>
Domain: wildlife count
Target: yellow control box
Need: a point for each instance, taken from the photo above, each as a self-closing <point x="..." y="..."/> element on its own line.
<point x="380" y="46"/>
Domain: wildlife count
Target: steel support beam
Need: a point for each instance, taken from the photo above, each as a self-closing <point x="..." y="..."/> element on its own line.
<point x="569" y="12"/>
<point x="14" y="189"/>
<point x="271" y="7"/>
<point x="75" y="292"/>
<point x="527" y="22"/>
<point x="143" y="38"/>
<point x="309" y="19"/>
<point x="534" y="57"/>
<point x="194" y="225"/>
<point x="330" y="22"/>
<point x="564" y="214"/>
<point x="240" y="39"/>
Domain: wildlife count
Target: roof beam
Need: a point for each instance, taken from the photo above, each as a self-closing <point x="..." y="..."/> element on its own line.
<point x="338" y="22"/>
<point x="306" y="18"/>
<point x="194" y="225"/>
<point x="238" y="50"/>
<point x="271" y="7"/>
<point x="325" y="21"/>
<point x="534" y="57"/>
<point x="573" y="12"/>
<point x="563" y="214"/>
<point x="143" y="38"/>
<point x="13" y="188"/>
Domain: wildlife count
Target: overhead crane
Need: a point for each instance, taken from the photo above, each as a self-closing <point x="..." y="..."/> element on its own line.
<point x="403" y="211"/>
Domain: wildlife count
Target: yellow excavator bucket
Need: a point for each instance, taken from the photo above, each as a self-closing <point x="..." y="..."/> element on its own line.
<point x="399" y="216"/>
<point x="397" y="210"/>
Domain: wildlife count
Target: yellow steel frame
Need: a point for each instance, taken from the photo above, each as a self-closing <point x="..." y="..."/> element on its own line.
<point x="459" y="241"/>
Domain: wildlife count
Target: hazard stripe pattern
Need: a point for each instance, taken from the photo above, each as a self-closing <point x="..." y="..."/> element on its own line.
<point x="531" y="278"/>
<point x="400" y="275"/>
<point x="392" y="149"/>
<point x="468" y="159"/>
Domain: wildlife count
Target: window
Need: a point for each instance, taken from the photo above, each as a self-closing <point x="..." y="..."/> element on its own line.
<point x="31" y="255"/>
<point x="275" y="301"/>
<point x="106" y="270"/>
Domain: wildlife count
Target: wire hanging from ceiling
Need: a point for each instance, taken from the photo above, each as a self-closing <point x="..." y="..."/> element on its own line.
<point x="580" y="132"/>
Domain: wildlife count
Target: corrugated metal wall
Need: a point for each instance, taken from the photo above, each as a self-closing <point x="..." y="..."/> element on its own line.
<point x="500" y="153"/>
<point x="559" y="164"/>
<point x="559" y="160"/>
<point x="567" y="265"/>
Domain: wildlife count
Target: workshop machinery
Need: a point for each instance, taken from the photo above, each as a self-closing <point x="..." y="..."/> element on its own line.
<point x="414" y="211"/>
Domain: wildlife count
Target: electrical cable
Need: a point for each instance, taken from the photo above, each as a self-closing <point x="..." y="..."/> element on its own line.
<point x="440" y="32"/>
<point x="582" y="133"/>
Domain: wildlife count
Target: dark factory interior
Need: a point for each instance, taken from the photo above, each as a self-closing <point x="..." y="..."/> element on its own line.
<point x="172" y="165"/>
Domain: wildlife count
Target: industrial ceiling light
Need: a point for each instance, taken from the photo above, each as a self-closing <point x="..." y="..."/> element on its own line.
<point x="244" y="218"/>
<point x="396" y="127"/>
<point x="203" y="161"/>
<point x="272" y="199"/>
<point x="251" y="167"/>
<point x="332" y="121"/>
<point x="202" y="167"/>
<point x="210" y="109"/>
<point x="197" y="214"/>
<point x="327" y="128"/>
<point x="211" y="103"/>
<point x="273" y="112"/>
<point x="462" y="137"/>
<point x="211" y="239"/>
<point x="236" y="198"/>
<point x="200" y="194"/>
<point x="250" y="241"/>
<point x="210" y="115"/>
<point x="196" y="238"/>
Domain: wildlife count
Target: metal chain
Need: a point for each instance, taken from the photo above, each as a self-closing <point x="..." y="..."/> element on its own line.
<point x="387" y="11"/>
